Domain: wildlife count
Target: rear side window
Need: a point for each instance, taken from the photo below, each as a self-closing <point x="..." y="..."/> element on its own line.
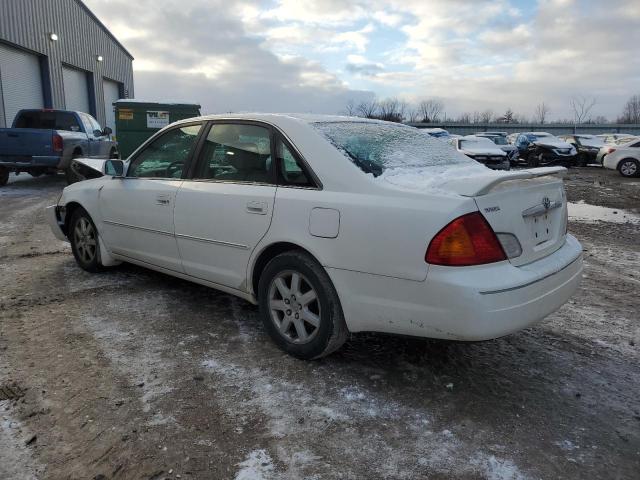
<point x="48" y="121"/>
<point x="167" y="155"/>
<point x="291" y="170"/>
<point x="236" y="153"/>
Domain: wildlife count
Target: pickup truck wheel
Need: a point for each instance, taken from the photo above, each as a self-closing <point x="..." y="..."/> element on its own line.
<point x="4" y="176"/>
<point x="299" y="306"/>
<point x="85" y="246"/>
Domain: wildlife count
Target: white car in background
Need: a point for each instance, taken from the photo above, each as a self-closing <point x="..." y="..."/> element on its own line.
<point x="439" y="133"/>
<point x="482" y="150"/>
<point x="624" y="157"/>
<point x="332" y="225"/>
<point x="611" y="138"/>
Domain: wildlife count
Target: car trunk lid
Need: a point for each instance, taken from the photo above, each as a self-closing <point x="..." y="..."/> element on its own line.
<point x="530" y="204"/>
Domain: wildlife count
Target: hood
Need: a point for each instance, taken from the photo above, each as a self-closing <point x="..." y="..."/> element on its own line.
<point x="553" y="143"/>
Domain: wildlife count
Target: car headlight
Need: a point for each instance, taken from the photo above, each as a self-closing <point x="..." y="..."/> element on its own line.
<point x="573" y="151"/>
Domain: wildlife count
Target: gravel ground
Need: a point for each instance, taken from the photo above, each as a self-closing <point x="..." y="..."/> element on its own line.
<point x="133" y="374"/>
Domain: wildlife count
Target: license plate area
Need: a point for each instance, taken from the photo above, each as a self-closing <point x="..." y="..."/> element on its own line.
<point x="541" y="230"/>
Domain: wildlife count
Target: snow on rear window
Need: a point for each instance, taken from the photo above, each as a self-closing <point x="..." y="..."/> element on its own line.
<point x="377" y="147"/>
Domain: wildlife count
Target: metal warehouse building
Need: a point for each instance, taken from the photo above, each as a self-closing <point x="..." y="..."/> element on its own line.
<point x="57" y="54"/>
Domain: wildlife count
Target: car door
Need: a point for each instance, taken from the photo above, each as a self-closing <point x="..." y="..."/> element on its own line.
<point x="137" y="211"/>
<point x="223" y="211"/>
<point x="101" y="144"/>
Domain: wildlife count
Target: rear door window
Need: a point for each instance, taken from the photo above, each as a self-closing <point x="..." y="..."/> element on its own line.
<point x="236" y="153"/>
<point x="291" y="170"/>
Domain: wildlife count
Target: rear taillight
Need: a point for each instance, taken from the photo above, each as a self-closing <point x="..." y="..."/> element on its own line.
<point x="610" y="150"/>
<point x="56" y="141"/>
<point x="468" y="240"/>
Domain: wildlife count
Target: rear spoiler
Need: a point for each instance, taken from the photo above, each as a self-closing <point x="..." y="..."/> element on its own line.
<point x="483" y="184"/>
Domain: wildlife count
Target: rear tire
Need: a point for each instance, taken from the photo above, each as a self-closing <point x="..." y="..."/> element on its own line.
<point x="85" y="243"/>
<point x="4" y="176"/>
<point x="299" y="306"/>
<point x="629" y="167"/>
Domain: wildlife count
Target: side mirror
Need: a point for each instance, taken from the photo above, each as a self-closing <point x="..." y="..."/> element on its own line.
<point x="107" y="131"/>
<point x="114" y="168"/>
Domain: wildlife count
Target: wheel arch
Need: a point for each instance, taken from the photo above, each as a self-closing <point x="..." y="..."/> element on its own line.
<point x="69" y="209"/>
<point x="266" y="254"/>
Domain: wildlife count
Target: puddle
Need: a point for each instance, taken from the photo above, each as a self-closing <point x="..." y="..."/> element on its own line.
<point x="583" y="212"/>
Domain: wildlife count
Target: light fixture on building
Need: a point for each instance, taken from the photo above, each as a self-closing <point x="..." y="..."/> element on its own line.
<point x="53" y="37"/>
<point x="99" y="58"/>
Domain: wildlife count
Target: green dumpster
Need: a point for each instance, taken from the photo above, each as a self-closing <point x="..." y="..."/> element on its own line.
<point x="137" y="120"/>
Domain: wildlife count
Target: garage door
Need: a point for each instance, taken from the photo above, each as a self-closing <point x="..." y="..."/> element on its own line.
<point x="76" y="90"/>
<point x="111" y="94"/>
<point x="21" y="83"/>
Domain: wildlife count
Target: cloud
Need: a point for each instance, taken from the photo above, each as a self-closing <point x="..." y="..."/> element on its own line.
<point x="313" y="55"/>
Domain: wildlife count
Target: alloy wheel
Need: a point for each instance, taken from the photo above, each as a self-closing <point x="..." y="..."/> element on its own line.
<point x="629" y="168"/>
<point x="294" y="307"/>
<point x="85" y="240"/>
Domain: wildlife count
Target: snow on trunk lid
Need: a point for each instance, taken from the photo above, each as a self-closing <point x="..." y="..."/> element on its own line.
<point x="534" y="210"/>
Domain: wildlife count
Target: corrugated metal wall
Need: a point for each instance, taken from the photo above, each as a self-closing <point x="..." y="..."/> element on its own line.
<point x="81" y="38"/>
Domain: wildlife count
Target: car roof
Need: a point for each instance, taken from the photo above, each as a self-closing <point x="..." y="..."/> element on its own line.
<point x="278" y="118"/>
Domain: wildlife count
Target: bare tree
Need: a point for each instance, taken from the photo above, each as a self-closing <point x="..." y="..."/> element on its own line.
<point x="581" y="106"/>
<point x="391" y="109"/>
<point x="464" y="118"/>
<point x="368" y="109"/>
<point x="600" y="119"/>
<point x="351" y="109"/>
<point x="413" y="115"/>
<point x="486" y="116"/>
<point x="631" y="111"/>
<point x="430" y="110"/>
<point x="540" y="115"/>
<point x="475" y="118"/>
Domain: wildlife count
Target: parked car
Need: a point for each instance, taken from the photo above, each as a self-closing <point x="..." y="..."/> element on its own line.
<point x="610" y="138"/>
<point x="45" y="141"/>
<point x="439" y="133"/>
<point x="542" y="148"/>
<point x="482" y="150"/>
<point x="587" y="147"/>
<point x="625" y="158"/>
<point x="332" y="225"/>
<point x="500" y="139"/>
<point x="608" y="148"/>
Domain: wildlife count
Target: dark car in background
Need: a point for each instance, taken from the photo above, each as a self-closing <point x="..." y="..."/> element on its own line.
<point x="45" y="141"/>
<point x="587" y="147"/>
<point x="542" y="148"/>
<point x="501" y="140"/>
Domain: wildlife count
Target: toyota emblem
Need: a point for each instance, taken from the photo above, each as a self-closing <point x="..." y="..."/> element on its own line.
<point x="546" y="203"/>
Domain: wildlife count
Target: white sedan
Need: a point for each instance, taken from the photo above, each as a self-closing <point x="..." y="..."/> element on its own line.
<point x="332" y="225"/>
<point x="623" y="157"/>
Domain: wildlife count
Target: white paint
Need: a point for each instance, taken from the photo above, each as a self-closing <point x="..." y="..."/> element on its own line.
<point x="584" y="212"/>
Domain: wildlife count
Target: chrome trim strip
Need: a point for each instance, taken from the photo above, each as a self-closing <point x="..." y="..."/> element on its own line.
<point x="534" y="281"/>
<point x="540" y="209"/>
<point x="179" y="235"/>
<point x="134" y="227"/>
<point x="215" y="242"/>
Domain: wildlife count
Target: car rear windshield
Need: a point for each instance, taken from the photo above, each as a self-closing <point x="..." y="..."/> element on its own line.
<point x="48" y="121"/>
<point x="376" y="147"/>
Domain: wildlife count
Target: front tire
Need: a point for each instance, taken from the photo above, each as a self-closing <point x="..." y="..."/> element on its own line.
<point x="300" y="307"/>
<point x="629" y="167"/>
<point x="85" y="243"/>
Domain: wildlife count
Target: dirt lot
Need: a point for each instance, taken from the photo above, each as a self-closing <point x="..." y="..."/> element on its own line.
<point x="133" y="374"/>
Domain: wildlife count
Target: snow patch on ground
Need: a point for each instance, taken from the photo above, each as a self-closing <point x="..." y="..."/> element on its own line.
<point x="583" y="212"/>
<point x="16" y="461"/>
<point x="257" y="466"/>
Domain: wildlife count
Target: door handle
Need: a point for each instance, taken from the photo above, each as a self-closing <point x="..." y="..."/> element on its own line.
<point x="163" y="200"/>
<point x="259" y="208"/>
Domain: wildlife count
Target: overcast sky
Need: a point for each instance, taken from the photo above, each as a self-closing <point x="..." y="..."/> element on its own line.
<point x="316" y="55"/>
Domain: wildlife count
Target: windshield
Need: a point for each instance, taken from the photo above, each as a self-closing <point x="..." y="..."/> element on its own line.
<point x="376" y="147"/>
<point x="438" y="134"/>
<point x="477" y="143"/>
<point x="499" y="140"/>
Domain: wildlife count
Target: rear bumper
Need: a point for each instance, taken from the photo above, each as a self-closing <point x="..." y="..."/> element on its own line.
<point x="30" y="162"/>
<point x="54" y="222"/>
<point x="468" y="303"/>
